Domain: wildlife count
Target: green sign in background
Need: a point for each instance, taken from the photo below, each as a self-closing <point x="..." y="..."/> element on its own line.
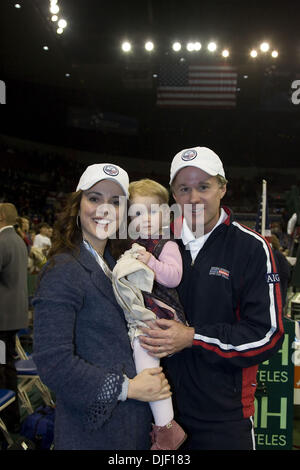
<point x="274" y="402"/>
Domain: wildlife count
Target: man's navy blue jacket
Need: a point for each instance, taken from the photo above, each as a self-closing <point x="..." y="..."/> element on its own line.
<point x="231" y="296"/>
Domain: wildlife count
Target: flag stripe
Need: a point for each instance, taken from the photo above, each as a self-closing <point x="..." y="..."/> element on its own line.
<point x="221" y="83"/>
<point x="219" y="76"/>
<point x="207" y="87"/>
<point x="205" y="96"/>
<point x="223" y="68"/>
<point x="197" y="103"/>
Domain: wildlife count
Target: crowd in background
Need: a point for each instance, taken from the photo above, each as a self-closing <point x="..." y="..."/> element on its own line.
<point x="38" y="182"/>
<point x="37" y="240"/>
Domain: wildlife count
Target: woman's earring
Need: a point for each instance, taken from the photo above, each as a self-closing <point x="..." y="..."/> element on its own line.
<point x="78" y="221"/>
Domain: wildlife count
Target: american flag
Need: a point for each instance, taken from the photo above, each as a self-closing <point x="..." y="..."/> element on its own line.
<point x="201" y="86"/>
<point x="219" y="272"/>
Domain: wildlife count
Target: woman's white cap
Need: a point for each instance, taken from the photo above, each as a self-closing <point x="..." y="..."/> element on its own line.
<point x="199" y="157"/>
<point x="103" y="171"/>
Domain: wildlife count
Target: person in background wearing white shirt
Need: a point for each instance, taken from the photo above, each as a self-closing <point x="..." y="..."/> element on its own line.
<point x="42" y="240"/>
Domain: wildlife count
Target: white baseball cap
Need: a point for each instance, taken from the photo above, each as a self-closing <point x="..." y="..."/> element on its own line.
<point x="199" y="157"/>
<point x="103" y="171"/>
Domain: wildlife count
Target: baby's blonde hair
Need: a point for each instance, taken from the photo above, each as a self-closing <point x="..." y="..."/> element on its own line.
<point x="147" y="187"/>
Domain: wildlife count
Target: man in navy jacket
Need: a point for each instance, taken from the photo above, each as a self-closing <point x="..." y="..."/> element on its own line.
<point x="230" y="291"/>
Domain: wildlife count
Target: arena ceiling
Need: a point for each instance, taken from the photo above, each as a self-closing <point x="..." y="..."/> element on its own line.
<point x="89" y="50"/>
<point x="85" y="67"/>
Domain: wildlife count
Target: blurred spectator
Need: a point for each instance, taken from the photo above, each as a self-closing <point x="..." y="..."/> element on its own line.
<point x="42" y="239"/>
<point x="276" y="229"/>
<point x="13" y="303"/>
<point x="36" y="260"/>
<point x="292" y="224"/>
<point x="36" y="254"/>
<point x="22" y="229"/>
<point x="50" y="233"/>
<point x="32" y="234"/>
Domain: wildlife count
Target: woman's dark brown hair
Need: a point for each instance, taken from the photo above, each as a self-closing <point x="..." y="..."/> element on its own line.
<point x="66" y="234"/>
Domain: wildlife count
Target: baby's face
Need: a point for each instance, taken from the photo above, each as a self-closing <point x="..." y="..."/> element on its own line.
<point x="146" y="214"/>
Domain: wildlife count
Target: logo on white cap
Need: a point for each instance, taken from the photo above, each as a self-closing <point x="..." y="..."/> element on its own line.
<point x="111" y="170"/>
<point x="189" y="155"/>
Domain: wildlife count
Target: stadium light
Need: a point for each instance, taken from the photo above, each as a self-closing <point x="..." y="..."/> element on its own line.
<point x="176" y="46"/>
<point x="264" y="47"/>
<point x="54" y="18"/>
<point x="54" y="9"/>
<point x="212" y="46"/>
<point x="225" y="53"/>
<point x="149" y="46"/>
<point x="46" y="48"/>
<point x="193" y="46"/>
<point x="62" y="23"/>
<point x="59" y="30"/>
<point x="17" y="5"/>
<point x="126" y="46"/>
<point x="274" y="54"/>
<point x="190" y="46"/>
<point x="253" y="53"/>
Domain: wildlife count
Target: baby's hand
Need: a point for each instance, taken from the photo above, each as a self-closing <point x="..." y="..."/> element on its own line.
<point x="143" y="256"/>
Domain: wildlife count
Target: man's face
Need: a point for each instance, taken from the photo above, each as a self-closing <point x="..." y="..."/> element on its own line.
<point x="199" y="195"/>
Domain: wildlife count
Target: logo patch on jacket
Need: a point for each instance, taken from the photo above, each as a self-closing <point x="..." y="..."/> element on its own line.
<point x="272" y="278"/>
<point x="214" y="271"/>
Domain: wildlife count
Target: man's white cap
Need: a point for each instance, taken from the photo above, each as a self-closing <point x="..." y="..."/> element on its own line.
<point x="199" y="157"/>
<point x="103" y="171"/>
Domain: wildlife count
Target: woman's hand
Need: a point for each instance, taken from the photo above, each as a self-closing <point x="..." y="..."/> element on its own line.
<point x="149" y="385"/>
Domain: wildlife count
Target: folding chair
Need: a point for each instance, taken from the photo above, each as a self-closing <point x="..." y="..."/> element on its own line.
<point x="6" y="398"/>
<point x="19" y="348"/>
<point x="28" y="378"/>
